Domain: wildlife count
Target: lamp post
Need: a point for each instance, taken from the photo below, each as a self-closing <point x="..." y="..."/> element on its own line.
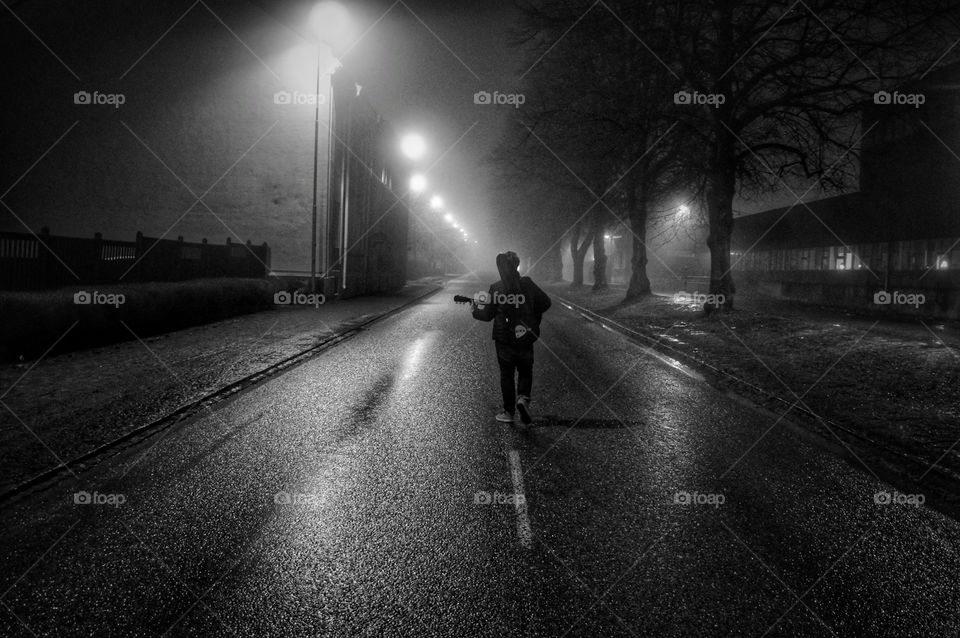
<point x="329" y="21"/>
<point x="316" y="161"/>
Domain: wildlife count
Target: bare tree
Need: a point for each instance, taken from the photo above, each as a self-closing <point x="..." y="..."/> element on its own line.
<point x="772" y="89"/>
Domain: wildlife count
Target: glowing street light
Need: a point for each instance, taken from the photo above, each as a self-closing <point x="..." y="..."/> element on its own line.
<point x="418" y="183"/>
<point x="436" y="202"/>
<point x="449" y="219"/>
<point x="332" y="24"/>
<point x="413" y="146"/>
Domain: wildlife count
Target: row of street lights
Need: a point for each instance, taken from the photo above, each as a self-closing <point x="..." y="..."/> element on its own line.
<point x="414" y="147"/>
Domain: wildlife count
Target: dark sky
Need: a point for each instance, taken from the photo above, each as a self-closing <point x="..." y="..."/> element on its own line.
<point x="420" y="63"/>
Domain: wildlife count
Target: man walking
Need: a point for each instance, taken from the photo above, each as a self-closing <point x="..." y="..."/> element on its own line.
<point x="515" y="305"/>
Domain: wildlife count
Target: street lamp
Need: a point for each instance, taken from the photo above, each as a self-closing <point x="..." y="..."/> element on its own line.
<point x="418" y="183"/>
<point x="413" y="146"/>
<point x="436" y="202"/>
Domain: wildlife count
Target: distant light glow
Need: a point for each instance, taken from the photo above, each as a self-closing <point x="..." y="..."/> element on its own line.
<point x="330" y="21"/>
<point x="436" y="202"/>
<point x="413" y="146"/>
<point x="683" y="210"/>
<point x="449" y="218"/>
<point x="418" y="183"/>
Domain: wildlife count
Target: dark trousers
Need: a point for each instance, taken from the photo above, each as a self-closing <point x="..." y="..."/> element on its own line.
<point x="514" y="360"/>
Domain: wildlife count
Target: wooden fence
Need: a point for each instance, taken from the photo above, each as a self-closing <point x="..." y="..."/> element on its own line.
<point x="43" y="261"/>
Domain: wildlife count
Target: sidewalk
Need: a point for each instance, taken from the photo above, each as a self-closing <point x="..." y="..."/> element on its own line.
<point x="64" y="406"/>
<point x="892" y="382"/>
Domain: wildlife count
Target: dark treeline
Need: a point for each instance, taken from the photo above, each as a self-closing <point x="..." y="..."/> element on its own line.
<point x="634" y="103"/>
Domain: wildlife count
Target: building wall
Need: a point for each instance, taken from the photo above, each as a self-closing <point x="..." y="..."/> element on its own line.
<point x="901" y="233"/>
<point x="367" y="232"/>
<point x="199" y="118"/>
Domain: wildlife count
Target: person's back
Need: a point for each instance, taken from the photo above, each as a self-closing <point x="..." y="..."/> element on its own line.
<point x="506" y="308"/>
<point x="515" y="305"/>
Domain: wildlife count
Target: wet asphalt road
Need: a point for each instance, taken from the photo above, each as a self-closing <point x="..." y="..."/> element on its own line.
<point x="341" y="498"/>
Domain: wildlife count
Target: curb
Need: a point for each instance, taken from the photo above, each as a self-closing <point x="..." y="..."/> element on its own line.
<point x="936" y="474"/>
<point x="184" y="412"/>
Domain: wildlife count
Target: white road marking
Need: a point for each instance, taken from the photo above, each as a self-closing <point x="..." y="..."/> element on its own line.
<point x="520" y="500"/>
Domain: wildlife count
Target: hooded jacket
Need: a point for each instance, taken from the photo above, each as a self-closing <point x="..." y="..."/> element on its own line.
<point x="503" y="301"/>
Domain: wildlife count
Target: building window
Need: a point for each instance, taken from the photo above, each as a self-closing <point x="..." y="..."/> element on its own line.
<point x="861" y="257"/>
<point x="841" y="259"/>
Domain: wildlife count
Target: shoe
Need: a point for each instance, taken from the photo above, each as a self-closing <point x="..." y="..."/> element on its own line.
<point x="505" y="417"/>
<point x="523" y="407"/>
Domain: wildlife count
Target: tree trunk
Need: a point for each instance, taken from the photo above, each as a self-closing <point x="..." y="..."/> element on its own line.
<point x="721" y="177"/>
<point x="720" y="191"/>
<point x="578" y="252"/>
<point x="639" y="282"/>
<point x="599" y="254"/>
